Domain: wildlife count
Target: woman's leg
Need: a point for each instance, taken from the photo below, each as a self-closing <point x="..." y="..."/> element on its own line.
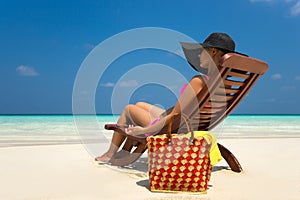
<point x="132" y="114"/>
<point x="153" y="112"/>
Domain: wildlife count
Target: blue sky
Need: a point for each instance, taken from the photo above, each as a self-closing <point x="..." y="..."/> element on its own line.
<point x="43" y="44"/>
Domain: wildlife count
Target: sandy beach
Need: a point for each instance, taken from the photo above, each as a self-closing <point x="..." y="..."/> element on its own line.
<point x="271" y="171"/>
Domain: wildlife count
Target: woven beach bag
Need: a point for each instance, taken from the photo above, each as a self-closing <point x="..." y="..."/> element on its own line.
<point x="179" y="163"/>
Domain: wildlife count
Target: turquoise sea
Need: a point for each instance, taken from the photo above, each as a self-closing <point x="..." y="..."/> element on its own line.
<point x="18" y="130"/>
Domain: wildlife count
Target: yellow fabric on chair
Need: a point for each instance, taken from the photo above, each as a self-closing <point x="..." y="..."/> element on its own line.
<point x="210" y="138"/>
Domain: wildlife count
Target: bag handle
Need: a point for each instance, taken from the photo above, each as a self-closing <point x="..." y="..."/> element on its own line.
<point x="187" y="123"/>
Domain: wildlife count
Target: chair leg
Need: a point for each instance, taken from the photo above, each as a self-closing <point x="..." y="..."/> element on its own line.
<point x="141" y="148"/>
<point x="230" y="159"/>
<point x="131" y="141"/>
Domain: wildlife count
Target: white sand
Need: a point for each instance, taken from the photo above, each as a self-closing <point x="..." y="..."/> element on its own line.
<point x="271" y="171"/>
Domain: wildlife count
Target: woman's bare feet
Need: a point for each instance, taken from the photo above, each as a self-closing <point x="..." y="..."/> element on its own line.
<point x="107" y="156"/>
<point x="104" y="158"/>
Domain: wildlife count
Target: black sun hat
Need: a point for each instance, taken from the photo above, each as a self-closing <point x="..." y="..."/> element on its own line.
<point x="221" y="41"/>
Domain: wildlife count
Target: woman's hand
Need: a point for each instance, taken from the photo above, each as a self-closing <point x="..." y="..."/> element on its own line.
<point x="135" y="130"/>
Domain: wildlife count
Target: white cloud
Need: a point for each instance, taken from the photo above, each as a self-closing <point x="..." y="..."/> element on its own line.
<point x="297" y="78"/>
<point x="295" y="10"/>
<point x="276" y="76"/>
<point x="294" y="7"/>
<point x="108" y="84"/>
<point x="26" y="71"/>
<point x="130" y="83"/>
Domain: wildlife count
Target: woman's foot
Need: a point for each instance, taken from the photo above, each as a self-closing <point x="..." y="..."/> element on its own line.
<point x="104" y="158"/>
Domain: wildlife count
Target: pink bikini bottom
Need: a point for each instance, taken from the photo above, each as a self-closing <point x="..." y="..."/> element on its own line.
<point x="152" y="123"/>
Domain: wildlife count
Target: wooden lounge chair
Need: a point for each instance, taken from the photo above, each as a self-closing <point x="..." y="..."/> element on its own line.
<point x="238" y="74"/>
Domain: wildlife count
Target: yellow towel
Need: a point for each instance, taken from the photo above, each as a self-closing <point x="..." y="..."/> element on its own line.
<point x="215" y="154"/>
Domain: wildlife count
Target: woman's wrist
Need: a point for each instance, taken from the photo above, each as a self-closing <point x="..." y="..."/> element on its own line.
<point x="147" y="132"/>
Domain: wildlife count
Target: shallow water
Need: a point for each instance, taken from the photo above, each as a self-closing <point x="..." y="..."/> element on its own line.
<point x="62" y="129"/>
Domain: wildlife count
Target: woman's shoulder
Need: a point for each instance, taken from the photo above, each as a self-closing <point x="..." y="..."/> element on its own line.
<point x="197" y="83"/>
<point x="198" y="78"/>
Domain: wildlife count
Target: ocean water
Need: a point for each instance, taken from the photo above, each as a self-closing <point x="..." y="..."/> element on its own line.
<point x="65" y="129"/>
<point x="260" y="126"/>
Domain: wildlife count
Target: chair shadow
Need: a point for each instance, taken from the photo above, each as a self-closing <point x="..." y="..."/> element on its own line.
<point x="146" y="183"/>
<point x="140" y="165"/>
<point x="219" y="168"/>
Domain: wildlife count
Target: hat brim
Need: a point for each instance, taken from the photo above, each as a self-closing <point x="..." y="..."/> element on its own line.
<point x="192" y="50"/>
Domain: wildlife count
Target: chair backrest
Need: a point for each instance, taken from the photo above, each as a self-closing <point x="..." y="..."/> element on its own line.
<point x="226" y="90"/>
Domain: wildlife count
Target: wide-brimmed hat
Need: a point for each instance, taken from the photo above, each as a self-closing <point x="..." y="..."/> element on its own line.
<point x="221" y="41"/>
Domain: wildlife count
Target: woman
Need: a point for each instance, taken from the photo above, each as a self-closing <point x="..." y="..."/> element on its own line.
<point x="144" y="118"/>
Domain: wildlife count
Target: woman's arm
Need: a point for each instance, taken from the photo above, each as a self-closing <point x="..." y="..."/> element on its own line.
<point x="188" y="98"/>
